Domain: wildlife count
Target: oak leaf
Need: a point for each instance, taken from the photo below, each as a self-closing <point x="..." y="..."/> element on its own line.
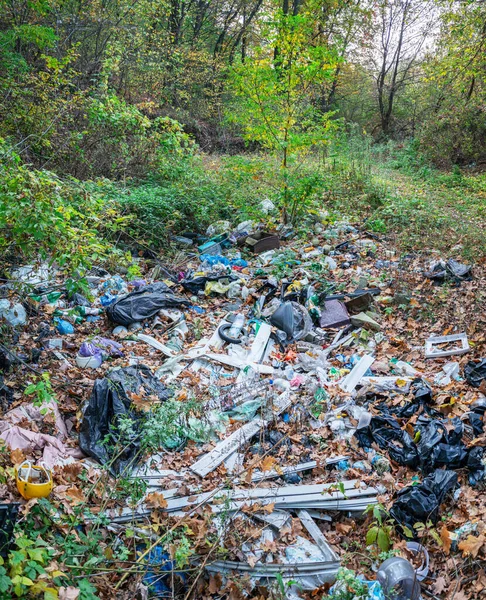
<point x="472" y="545"/>
<point x="17" y="457"/>
<point x="445" y="536"/>
<point x="69" y="593"/>
<point x="156" y="500"/>
<point x="439" y="585"/>
<point x="268" y="463"/>
<point x="75" y="495"/>
<point x="268" y="508"/>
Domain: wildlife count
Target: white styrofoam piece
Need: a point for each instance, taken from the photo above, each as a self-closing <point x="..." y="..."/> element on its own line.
<point x="151" y="341"/>
<point x="431" y="343"/>
<point x="226" y="447"/>
<point x="354" y="377"/>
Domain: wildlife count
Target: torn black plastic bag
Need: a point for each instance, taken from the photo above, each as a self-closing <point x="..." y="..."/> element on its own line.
<point x="422" y="397"/>
<point x="144" y="303"/>
<point x="387" y="433"/>
<point x="108" y="402"/>
<point x="452" y="269"/>
<point x="440" y="447"/>
<point x="475" y="465"/>
<point x="293" y="319"/>
<point x="475" y="373"/>
<point x="421" y="503"/>
<point x="476" y="416"/>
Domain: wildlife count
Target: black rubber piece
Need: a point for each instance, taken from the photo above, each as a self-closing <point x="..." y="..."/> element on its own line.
<point x="221" y="332"/>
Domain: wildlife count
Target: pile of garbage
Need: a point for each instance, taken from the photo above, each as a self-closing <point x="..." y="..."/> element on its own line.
<point x="272" y="397"/>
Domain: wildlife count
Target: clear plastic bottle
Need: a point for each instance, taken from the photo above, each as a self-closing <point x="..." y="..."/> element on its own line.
<point x="237" y="326"/>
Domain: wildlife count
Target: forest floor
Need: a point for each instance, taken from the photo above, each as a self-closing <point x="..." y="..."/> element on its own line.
<point x="436" y="211"/>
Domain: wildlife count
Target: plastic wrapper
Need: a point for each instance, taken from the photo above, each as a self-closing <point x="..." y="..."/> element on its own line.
<point x="143" y="304"/>
<point x="475" y="373"/>
<point x="293" y="319"/>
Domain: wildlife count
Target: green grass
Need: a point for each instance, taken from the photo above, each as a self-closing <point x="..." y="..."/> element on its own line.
<point x="436" y="212"/>
<point x="398" y="193"/>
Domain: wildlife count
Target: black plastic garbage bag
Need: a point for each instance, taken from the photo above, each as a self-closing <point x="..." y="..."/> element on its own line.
<point x="475" y="465"/>
<point x="388" y="434"/>
<point x="422" y="397"/>
<point x="293" y="319"/>
<point x="439" y="447"/>
<point x="477" y="423"/>
<point x="144" y="303"/>
<point x="475" y="373"/>
<point x="6" y="395"/>
<point x="476" y="416"/>
<point x="422" y="392"/>
<point x="198" y="283"/>
<point x="421" y="503"/>
<point x="108" y="402"/>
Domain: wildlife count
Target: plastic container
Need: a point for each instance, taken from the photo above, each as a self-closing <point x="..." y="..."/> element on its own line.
<point x="419" y="550"/>
<point x="399" y="579"/>
<point x="27" y="476"/>
<point x="236" y="326"/>
<point x="89" y="362"/>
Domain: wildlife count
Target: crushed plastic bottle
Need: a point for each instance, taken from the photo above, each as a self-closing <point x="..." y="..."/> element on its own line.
<point x="16" y="315"/>
<point x="237" y="326"/>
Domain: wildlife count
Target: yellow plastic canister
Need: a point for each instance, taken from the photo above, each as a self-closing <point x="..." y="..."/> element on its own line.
<point x="30" y="489"/>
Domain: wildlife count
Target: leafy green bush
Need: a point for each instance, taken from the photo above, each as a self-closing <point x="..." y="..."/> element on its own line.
<point x="189" y="204"/>
<point x="42" y="216"/>
<point x="120" y="141"/>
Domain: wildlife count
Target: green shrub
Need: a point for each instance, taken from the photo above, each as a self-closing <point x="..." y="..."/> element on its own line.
<point x="45" y="217"/>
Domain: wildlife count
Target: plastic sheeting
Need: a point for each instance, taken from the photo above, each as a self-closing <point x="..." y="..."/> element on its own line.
<point x="108" y="402"/>
<point x="420" y="503"/>
<point x="293" y="319"/>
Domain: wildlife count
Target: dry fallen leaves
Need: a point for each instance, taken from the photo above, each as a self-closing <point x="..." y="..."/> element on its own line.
<point x="156" y="500"/>
<point x="439" y="585"/>
<point x="74" y="495"/>
<point x="268" y="463"/>
<point x="17" y="457"/>
<point x="445" y="536"/>
<point x="472" y="545"/>
<point x="142" y="402"/>
<point x="69" y="593"/>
